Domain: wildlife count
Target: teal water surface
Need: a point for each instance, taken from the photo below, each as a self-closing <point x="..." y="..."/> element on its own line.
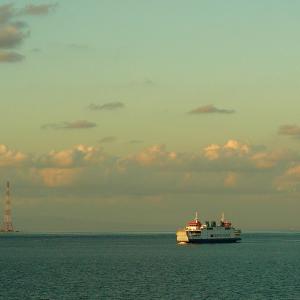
<point x="148" y="266"/>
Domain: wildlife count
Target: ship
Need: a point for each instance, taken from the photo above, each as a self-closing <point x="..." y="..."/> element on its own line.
<point x="210" y="232"/>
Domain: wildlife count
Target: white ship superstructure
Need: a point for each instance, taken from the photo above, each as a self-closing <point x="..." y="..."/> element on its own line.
<point x="210" y="232"/>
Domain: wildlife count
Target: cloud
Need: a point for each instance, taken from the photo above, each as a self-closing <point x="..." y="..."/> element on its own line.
<point x="108" y="139"/>
<point x="7" y="12"/>
<point x="158" y="170"/>
<point x="14" y="31"/>
<point x="19" y="24"/>
<point x="80" y="124"/>
<point x="231" y="167"/>
<point x="78" y="156"/>
<point x="64" y="167"/>
<point x="234" y="145"/>
<point x="230" y="148"/>
<point x="39" y="9"/>
<point x="11" y="36"/>
<point x="155" y="154"/>
<point x="10" y="157"/>
<point x="9" y="56"/>
<point x="290" y="180"/>
<point x="269" y="159"/>
<point x="290" y="130"/>
<point x="212" y="151"/>
<point x="107" y="106"/>
<point x="209" y="109"/>
<point x="55" y="177"/>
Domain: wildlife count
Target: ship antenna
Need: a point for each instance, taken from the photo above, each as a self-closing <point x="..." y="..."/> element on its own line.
<point x="196" y="219"/>
<point x="222" y="217"/>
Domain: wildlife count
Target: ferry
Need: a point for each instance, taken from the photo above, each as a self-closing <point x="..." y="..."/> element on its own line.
<point x="210" y="232"/>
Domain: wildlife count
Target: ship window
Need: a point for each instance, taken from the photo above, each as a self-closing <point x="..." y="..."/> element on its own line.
<point x="211" y="235"/>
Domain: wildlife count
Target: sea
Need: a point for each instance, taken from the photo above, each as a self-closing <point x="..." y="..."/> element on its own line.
<point x="148" y="266"/>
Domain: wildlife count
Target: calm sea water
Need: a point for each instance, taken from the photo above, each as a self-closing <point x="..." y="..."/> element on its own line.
<point x="148" y="266"/>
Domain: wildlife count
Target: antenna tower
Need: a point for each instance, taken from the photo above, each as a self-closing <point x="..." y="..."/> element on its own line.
<point x="7" y="220"/>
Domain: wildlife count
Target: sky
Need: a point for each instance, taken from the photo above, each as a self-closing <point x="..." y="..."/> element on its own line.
<point x="132" y="115"/>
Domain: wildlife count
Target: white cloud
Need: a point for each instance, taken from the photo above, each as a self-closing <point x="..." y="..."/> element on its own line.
<point x="79" y="155"/>
<point x="230" y="148"/>
<point x="269" y="159"/>
<point x="230" y="167"/>
<point x="212" y="151"/>
<point x="156" y="154"/>
<point x="10" y="157"/>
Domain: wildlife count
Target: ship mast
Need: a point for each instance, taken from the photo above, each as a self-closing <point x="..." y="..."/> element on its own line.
<point x="222" y="217"/>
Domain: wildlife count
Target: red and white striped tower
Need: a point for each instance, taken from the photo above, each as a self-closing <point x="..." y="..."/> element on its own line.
<point x="7" y="221"/>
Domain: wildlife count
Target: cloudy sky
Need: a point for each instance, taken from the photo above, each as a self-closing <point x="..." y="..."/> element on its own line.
<point x="131" y="115"/>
